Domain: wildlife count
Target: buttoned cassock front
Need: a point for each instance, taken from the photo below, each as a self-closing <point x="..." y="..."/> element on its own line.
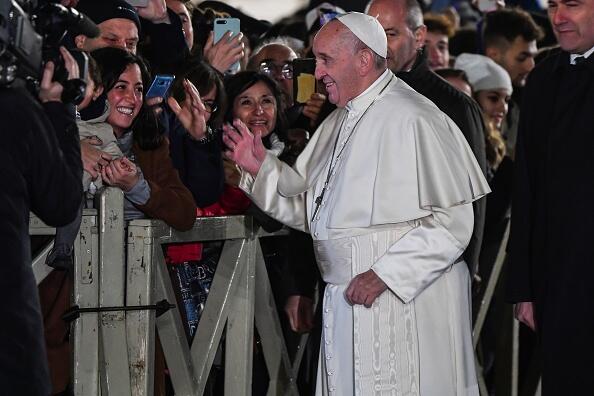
<point x="398" y="201"/>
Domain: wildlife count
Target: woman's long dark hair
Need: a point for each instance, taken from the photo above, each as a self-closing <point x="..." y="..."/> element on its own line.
<point x="112" y="63"/>
<point x="236" y="84"/>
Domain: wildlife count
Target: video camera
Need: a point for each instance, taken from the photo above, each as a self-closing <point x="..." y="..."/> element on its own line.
<point x="31" y="33"/>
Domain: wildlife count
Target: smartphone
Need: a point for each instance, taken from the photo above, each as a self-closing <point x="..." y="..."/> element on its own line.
<point x="221" y="27"/>
<point x="138" y="3"/>
<point x="304" y="80"/>
<point x="487" y="5"/>
<point x="160" y="86"/>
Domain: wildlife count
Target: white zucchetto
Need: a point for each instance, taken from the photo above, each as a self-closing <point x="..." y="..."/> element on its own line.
<point x="368" y="30"/>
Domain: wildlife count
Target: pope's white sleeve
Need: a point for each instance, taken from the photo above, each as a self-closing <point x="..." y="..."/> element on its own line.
<point x="420" y="257"/>
<point x="263" y="191"/>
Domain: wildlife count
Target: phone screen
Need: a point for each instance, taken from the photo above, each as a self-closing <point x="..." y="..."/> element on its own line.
<point x="487" y="5"/>
<point x="304" y="80"/>
<point x="221" y="27"/>
<point x="160" y="86"/>
<point x="138" y="3"/>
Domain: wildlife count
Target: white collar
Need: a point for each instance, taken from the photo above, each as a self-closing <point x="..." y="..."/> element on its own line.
<point x="585" y="55"/>
<point x="364" y="99"/>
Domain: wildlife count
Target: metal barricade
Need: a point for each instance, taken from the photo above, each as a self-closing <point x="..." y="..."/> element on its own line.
<point x="125" y="275"/>
<point x="511" y="329"/>
<point x="118" y="284"/>
<point x="240" y="297"/>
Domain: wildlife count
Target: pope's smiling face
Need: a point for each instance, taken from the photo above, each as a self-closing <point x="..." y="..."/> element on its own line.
<point x="335" y="63"/>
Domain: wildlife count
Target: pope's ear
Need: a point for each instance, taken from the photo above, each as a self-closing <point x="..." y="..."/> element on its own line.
<point x="366" y="60"/>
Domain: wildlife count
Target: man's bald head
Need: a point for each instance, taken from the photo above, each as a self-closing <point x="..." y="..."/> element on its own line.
<point x="412" y="10"/>
<point x="275" y="59"/>
<point x="402" y="21"/>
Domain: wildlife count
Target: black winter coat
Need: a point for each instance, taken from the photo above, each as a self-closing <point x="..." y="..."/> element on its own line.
<point x="41" y="171"/>
<point x="551" y="260"/>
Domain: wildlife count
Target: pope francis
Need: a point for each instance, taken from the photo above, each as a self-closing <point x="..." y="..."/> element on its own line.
<point x="385" y="187"/>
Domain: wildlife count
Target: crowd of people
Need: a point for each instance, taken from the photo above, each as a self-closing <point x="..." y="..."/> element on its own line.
<point x="403" y="163"/>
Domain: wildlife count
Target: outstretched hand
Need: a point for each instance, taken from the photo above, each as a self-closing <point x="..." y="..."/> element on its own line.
<point x="243" y="147"/>
<point x="191" y="113"/>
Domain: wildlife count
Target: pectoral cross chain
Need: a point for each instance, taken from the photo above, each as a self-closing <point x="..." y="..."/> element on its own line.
<point x="334" y="161"/>
<point x="318" y="200"/>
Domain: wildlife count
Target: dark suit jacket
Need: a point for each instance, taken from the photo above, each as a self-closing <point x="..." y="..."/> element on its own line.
<point x="465" y="112"/>
<point x="41" y="170"/>
<point x="551" y="260"/>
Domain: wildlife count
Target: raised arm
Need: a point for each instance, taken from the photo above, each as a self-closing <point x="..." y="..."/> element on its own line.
<point x="260" y="175"/>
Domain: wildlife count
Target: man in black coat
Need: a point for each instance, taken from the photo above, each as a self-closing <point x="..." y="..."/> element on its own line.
<point x="41" y="171"/>
<point x="551" y="263"/>
<point x="403" y="22"/>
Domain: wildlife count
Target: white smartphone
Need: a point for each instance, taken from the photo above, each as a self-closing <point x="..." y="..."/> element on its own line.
<point x="487" y="5"/>
<point x="138" y="3"/>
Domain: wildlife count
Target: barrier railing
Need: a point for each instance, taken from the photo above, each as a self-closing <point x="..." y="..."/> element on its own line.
<point x="124" y="276"/>
<point x="120" y="283"/>
<point x="510" y="328"/>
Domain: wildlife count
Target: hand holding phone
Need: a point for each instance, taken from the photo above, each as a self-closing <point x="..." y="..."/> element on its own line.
<point x="304" y="80"/>
<point x="222" y="28"/>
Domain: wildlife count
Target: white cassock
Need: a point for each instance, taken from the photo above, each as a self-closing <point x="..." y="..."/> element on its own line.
<point x="398" y="201"/>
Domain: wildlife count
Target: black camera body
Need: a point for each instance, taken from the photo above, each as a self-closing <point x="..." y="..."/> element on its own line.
<point x="30" y="36"/>
<point x="21" y="44"/>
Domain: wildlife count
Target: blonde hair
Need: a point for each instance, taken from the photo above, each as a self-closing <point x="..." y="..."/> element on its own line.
<point x="494" y="145"/>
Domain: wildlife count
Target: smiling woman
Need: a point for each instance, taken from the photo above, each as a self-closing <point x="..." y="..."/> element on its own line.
<point x="151" y="184"/>
<point x="124" y="76"/>
<point x="125" y="99"/>
<point x="257" y="101"/>
<point x="490" y="83"/>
